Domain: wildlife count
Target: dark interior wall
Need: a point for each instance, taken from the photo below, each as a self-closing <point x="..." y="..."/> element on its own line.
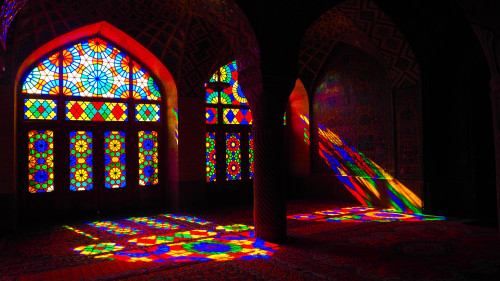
<point x="457" y="120"/>
<point x="353" y="99"/>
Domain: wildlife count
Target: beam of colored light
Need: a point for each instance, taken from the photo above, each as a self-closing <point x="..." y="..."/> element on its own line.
<point x="350" y="164"/>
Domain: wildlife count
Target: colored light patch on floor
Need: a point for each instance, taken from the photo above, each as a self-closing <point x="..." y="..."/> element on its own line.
<point x="132" y="256"/>
<point x="363" y="214"/>
<point x="155" y="223"/>
<point x="234" y="227"/>
<point x="115" y="228"/>
<point x="188" y="219"/>
<point x="97" y="249"/>
<point x="175" y="237"/>
<point x="80" y="232"/>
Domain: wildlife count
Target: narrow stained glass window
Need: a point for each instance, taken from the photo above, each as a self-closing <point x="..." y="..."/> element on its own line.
<point x="44" y="78"/>
<point x="147" y="112"/>
<point x="250" y="155"/>
<point x="211" y="115"/>
<point x="237" y="116"/>
<point x="41" y="161"/>
<point x="80" y="161"/>
<point x="96" y="111"/>
<point x="148" y="158"/>
<point x="233" y="156"/>
<point x="210" y="157"/>
<point x="40" y="109"/>
<point x="114" y="159"/>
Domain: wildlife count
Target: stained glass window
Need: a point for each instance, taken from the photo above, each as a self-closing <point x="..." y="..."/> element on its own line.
<point x="40" y="109"/>
<point x="148" y="158"/>
<point x="237" y="116"/>
<point x="96" y="111"/>
<point x="211" y="96"/>
<point x="210" y="157"/>
<point x="41" y="161"/>
<point x="233" y="94"/>
<point x="250" y="155"/>
<point x="144" y="87"/>
<point x="211" y="115"/>
<point x="147" y="112"/>
<point x="233" y="156"/>
<point x="114" y="159"/>
<point x="80" y="161"/>
<point x="44" y="78"/>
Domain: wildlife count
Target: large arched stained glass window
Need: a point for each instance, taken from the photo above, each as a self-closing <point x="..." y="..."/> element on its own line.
<point x="228" y="120"/>
<point x="94" y="103"/>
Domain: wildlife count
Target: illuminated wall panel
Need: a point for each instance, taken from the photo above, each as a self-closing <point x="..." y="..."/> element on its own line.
<point x="211" y="115"/>
<point x="237" y="116"/>
<point x="40" y="109"/>
<point x="114" y="160"/>
<point x="233" y="156"/>
<point x="80" y="161"/>
<point x="148" y="158"/>
<point x="41" y="161"/>
<point x="96" y="111"/>
<point x="147" y="112"/>
<point x="250" y="155"/>
<point x="210" y="156"/>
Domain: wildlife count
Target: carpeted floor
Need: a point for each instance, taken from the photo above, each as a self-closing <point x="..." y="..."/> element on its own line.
<point x="327" y="241"/>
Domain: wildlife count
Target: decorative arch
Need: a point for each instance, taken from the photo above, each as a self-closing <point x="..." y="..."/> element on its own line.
<point x="138" y="110"/>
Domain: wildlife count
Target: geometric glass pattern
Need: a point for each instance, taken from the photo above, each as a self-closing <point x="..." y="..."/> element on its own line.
<point x="210" y="157"/>
<point x="143" y="85"/>
<point x="44" y="78"/>
<point x="233" y="156"/>
<point x="250" y="155"/>
<point x="147" y="112"/>
<point x="96" y="111"/>
<point x="114" y="159"/>
<point x="211" y="115"/>
<point x="233" y="94"/>
<point x="41" y="161"/>
<point x="154" y="223"/>
<point x="148" y="157"/>
<point x="94" y="68"/>
<point x="40" y="109"/>
<point x="211" y="96"/>
<point x="115" y="228"/>
<point x="80" y="161"/>
<point x="237" y="116"/>
<point x="187" y="219"/>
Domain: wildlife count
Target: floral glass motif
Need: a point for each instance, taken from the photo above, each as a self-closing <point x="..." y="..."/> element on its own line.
<point x="143" y="85"/>
<point x="114" y="160"/>
<point x="147" y="112"/>
<point x="44" y="78"/>
<point x="211" y="115"/>
<point x="233" y="94"/>
<point x="40" y="109"/>
<point x="41" y="161"/>
<point x="233" y="156"/>
<point x="96" y="111"/>
<point x="148" y="158"/>
<point x="210" y="157"/>
<point x="95" y="68"/>
<point x="250" y="155"/>
<point x="80" y="161"/>
<point x="211" y="96"/>
<point x="237" y="116"/>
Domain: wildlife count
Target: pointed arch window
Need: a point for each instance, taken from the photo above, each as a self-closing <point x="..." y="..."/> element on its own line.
<point x="229" y="120"/>
<point x="92" y="117"/>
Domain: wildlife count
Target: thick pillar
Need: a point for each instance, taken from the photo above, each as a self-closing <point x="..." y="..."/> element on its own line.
<point x="495" y="102"/>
